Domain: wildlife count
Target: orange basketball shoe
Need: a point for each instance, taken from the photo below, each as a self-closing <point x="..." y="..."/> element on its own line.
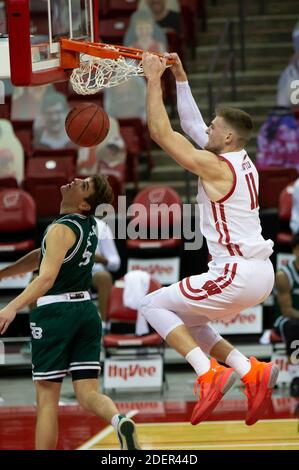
<point x="213" y="385"/>
<point x="259" y="382"/>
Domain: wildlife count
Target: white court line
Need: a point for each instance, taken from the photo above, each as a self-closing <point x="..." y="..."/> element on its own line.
<point x="101" y="435"/>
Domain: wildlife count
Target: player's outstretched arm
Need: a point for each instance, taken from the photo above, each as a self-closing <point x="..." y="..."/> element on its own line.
<point x="59" y="240"/>
<point x="191" y="119"/>
<point x="200" y="162"/>
<point x="26" y="264"/>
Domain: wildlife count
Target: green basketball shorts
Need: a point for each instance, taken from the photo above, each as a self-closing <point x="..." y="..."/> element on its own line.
<point x="65" y="338"/>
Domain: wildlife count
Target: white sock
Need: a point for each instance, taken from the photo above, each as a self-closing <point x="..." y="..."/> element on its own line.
<point x="115" y="420"/>
<point x="198" y="360"/>
<point x="238" y="362"/>
<point x="293" y="370"/>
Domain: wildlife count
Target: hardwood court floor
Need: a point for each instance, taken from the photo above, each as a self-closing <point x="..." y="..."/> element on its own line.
<point x="162" y="424"/>
<point x="278" y="434"/>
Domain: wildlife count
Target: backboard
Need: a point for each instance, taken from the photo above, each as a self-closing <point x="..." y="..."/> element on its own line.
<point x="30" y="53"/>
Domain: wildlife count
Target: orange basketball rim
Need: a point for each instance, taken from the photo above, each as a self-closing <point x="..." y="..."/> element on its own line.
<point x="71" y="50"/>
<point x="96" y="66"/>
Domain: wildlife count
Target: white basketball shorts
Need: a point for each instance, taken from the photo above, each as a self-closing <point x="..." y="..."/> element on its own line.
<point x="230" y="286"/>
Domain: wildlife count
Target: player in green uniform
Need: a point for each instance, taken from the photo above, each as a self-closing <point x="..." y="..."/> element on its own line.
<point x="287" y="323"/>
<point x="65" y="326"/>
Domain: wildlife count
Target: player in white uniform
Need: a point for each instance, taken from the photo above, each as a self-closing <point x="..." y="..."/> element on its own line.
<point x="240" y="274"/>
<point x="107" y="260"/>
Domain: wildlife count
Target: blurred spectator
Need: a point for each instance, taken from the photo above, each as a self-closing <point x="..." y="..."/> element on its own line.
<point x="295" y="36"/>
<point x="107" y="260"/>
<point x="166" y="18"/>
<point x="112" y="151"/>
<point x="285" y="92"/>
<point x="287" y="324"/>
<point x="294" y="222"/>
<point x="144" y="25"/>
<point x="126" y="100"/>
<point x="49" y="129"/>
<point x="26" y="102"/>
<point x="108" y="154"/>
<point x="145" y="32"/>
<point x="278" y="141"/>
<point x="11" y="153"/>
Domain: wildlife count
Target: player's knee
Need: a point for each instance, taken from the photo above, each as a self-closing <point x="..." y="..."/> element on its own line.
<point x="206" y="337"/>
<point x="47" y="393"/>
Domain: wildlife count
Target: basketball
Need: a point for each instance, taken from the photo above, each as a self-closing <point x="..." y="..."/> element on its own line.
<point x="87" y="124"/>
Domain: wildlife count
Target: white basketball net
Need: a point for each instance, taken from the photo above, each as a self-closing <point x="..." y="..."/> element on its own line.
<point x="96" y="73"/>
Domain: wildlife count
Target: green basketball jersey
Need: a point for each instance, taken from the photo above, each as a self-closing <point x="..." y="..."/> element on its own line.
<point x="75" y="273"/>
<point x="292" y="274"/>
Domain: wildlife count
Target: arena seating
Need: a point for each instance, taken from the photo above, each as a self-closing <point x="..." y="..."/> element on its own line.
<point x="44" y="177"/>
<point x="128" y="346"/>
<point x="271" y="182"/>
<point x="17" y="223"/>
<point x="116" y="8"/>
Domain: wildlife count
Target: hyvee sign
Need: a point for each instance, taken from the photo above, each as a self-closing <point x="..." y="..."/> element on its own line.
<point x="247" y="322"/>
<point x="165" y="270"/>
<point x="133" y="373"/>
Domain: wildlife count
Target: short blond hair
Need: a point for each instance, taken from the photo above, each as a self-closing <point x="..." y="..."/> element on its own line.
<point x="238" y="119"/>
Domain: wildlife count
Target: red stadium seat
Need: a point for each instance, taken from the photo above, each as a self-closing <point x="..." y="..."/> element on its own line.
<point x="137" y="142"/>
<point x="112" y="30"/>
<point x="57" y="153"/>
<point x="44" y="177"/>
<point x="5" y="109"/>
<point x="142" y="134"/>
<point x="271" y="182"/>
<point x="284" y="237"/>
<point x="8" y="182"/>
<point x="161" y="198"/>
<point x="17" y="221"/>
<point x="118" y="313"/>
<point x="115" y="8"/>
<point x="24" y="132"/>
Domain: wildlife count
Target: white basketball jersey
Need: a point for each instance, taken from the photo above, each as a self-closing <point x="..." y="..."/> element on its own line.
<point x="232" y="225"/>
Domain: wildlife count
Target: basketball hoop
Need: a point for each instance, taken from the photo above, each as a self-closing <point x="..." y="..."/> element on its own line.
<point x="97" y="66"/>
<point x="94" y="74"/>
